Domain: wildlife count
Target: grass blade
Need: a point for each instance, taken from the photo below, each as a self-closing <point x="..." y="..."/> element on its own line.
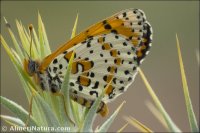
<point x="44" y="43"/>
<point x="65" y="86"/>
<point x="75" y="112"/>
<point x="12" y="120"/>
<point x="75" y="106"/>
<point x="110" y="120"/>
<point x="16" y="44"/>
<point x="141" y="127"/>
<point x="41" y="39"/>
<point x="191" y="115"/>
<point x="24" y="41"/>
<point x="37" y="44"/>
<point x="171" y="125"/>
<point x="74" y="28"/>
<point x="157" y="114"/>
<point x="122" y="128"/>
<point x="16" y="56"/>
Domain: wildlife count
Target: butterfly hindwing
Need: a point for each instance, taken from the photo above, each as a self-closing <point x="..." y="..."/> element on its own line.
<point x="109" y="61"/>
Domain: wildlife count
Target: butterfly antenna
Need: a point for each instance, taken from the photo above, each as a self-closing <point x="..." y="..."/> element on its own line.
<point x="31" y="35"/>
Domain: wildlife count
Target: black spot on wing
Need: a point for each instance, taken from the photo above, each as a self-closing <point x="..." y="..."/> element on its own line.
<point x="94" y="93"/>
<point x="80" y="88"/>
<point x="108" y="26"/>
<point x="96" y="85"/>
<point x="55" y="69"/>
<point x="55" y="61"/>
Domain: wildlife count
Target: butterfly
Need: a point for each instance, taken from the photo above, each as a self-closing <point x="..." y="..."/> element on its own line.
<point x="111" y="49"/>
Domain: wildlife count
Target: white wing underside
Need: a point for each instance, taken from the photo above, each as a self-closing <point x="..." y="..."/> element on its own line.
<point x="126" y="70"/>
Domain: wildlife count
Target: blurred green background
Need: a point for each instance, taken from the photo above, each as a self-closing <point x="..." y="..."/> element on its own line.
<point x="161" y="66"/>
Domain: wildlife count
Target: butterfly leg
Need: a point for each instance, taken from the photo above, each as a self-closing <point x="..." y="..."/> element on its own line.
<point x="65" y="107"/>
<point x="30" y="110"/>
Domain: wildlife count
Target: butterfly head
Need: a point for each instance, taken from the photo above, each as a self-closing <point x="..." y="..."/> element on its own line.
<point x="31" y="66"/>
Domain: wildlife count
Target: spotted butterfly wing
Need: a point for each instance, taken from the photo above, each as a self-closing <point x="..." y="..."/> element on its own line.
<point x="110" y="49"/>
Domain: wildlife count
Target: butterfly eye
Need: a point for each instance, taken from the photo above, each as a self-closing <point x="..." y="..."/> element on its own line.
<point x="30" y="66"/>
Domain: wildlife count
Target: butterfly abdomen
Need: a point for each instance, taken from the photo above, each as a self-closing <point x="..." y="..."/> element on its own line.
<point x="102" y="109"/>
